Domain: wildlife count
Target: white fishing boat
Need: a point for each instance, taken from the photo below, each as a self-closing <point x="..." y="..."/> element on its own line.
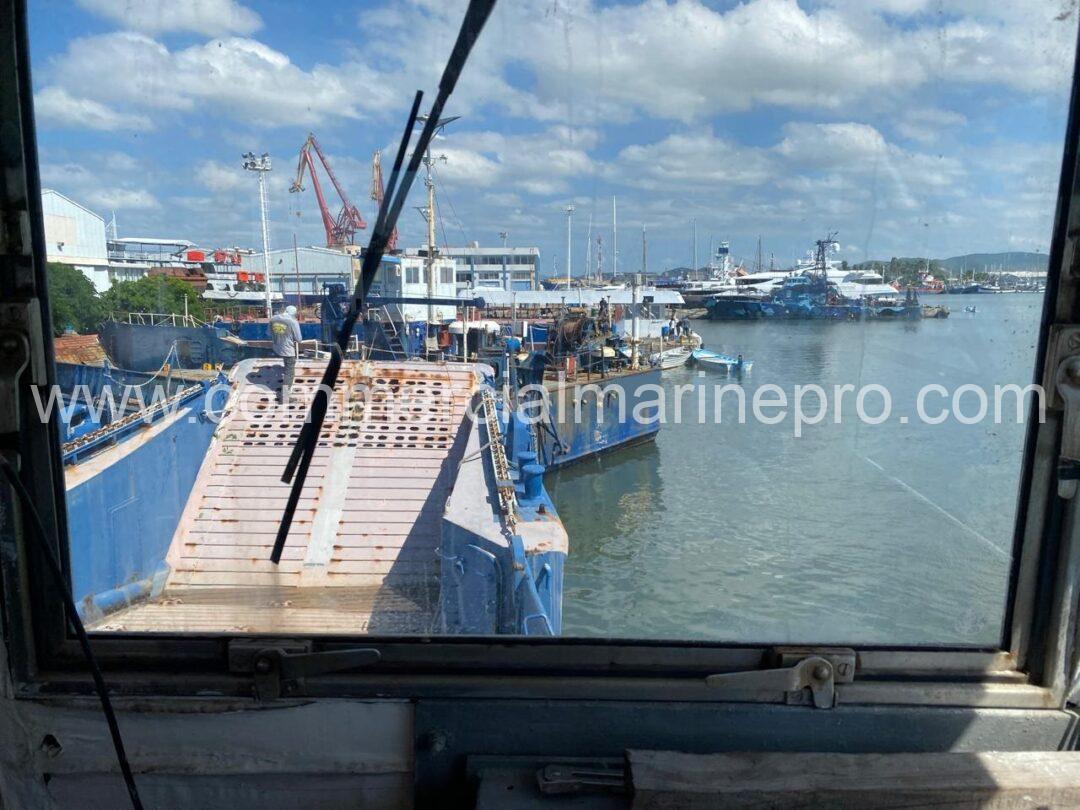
<point x="717" y="360"/>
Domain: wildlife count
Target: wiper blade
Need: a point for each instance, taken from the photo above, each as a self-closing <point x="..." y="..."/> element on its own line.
<point x="296" y="469"/>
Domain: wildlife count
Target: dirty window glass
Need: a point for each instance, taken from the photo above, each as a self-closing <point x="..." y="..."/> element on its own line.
<point x="750" y="361"/>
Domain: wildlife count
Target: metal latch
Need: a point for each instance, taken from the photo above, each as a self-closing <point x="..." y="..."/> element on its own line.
<point x="812" y="672"/>
<point x="279" y="667"/>
<point x="581" y="778"/>
<point x="20" y="351"/>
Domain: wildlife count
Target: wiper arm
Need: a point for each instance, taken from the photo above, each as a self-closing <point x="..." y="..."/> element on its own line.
<point x="393" y="201"/>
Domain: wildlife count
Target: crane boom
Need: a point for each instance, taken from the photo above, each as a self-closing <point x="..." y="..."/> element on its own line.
<point x="377" y="194"/>
<point x="340" y="230"/>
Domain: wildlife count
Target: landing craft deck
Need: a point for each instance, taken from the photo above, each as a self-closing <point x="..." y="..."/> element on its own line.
<point x="362" y="552"/>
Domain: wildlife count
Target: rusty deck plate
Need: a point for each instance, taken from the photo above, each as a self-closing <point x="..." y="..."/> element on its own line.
<point x="362" y="551"/>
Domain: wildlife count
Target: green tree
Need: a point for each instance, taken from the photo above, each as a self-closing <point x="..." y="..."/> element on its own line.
<point x="153" y="294"/>
<point x="73" y="301"/>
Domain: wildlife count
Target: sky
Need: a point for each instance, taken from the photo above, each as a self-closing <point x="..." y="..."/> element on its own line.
<point x="909" y="127"/>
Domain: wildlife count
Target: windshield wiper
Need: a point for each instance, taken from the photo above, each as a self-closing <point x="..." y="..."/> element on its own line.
<point x="393" y="200"/>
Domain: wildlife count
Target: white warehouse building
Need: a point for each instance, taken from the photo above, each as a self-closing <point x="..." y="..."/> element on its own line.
<point x="494" y="268"/>
<point x="75" y="235"/>
<point x="306" y="269"/>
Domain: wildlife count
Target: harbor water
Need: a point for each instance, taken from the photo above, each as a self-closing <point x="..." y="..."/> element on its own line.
<point x="892" y="533"/>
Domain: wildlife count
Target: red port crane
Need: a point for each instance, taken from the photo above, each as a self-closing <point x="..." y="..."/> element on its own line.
<point x="340" y="230"/>
<point x="377" y="194"/>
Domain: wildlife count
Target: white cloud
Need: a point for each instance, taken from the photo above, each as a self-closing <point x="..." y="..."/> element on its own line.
<point x="218" y="177"/>
<point x="543" y="163"/>
<point x="209" y="17"/>
<point x="123" y="199"/>
<point x="115" y="189"/>
<point x="696" y="160"/>
<point x="236" y="77"/>
<point x="57" y="107"/>
<point x="682" y="60"/>
<point x="928" y="124"/>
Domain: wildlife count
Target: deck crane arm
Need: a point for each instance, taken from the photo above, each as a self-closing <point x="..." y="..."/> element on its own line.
<point x="377" y="194"/>
<point x="339" y="230"/>
<point x="305" y="164"/>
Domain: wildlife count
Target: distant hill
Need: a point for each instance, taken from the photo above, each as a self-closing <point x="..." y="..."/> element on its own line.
<point x="983" y="263"/>
<point x="987" y="262"/>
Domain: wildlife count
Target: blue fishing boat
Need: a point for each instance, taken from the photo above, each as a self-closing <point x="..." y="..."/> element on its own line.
<point x="716" y="360"/>
<point x="740" y="307"/>
<point x="589" y="397"/>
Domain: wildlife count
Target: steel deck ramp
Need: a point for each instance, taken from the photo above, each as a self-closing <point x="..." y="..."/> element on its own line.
<point x="362" y="553"/>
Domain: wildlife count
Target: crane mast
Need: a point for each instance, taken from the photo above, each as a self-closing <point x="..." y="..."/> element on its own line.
<point x="377" y="194"/>
<point x="340" y="230"/>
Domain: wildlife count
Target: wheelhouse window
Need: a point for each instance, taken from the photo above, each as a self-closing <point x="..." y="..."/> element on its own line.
<point x="792" y="256"/>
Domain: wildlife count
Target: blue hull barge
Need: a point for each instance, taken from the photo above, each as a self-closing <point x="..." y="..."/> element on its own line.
<point x="415" y="518"/>
<point x="588" y="415"/>
<point x="145" y="346"/>
<point x="128" y="474"/>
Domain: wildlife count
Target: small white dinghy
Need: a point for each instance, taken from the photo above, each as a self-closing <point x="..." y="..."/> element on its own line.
<point x="671" y="358"/>
<point x="675" y="357"/>
<point x="717" y="360"/>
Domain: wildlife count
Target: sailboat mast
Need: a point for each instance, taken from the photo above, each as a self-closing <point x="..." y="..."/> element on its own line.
<point x="614" y="238"/>
<point x="569" y="228"/>
<point x="588" y="251"/>
<point x="694" y="251"/>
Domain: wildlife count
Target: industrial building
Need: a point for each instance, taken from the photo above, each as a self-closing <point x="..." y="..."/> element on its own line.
<point x="500" y="268"/>
<point x="305" y="270"/>
<point x="75" y="235"/>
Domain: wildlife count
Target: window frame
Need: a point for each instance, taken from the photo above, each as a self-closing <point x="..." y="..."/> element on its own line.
<point x="1030" y="669"/>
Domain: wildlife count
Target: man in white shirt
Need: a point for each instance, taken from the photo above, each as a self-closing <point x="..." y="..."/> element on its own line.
<point x="285" y="333"/>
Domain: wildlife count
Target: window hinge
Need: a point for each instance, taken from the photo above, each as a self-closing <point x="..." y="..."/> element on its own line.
<point x="804" y="676"/>
<point x="279" y="667"/>
<point x="1062" y="385"/>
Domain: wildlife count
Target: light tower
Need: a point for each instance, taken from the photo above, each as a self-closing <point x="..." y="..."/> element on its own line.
<point x="261" y="165"/>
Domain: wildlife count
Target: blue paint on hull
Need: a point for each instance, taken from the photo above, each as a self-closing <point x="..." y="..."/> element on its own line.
<point x="122" y="518"/>
<point x="567" y="439"/>
<point x="491" y="581"/>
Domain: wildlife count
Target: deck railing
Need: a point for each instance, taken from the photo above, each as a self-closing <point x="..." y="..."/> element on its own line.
<point x="163" y="319"/>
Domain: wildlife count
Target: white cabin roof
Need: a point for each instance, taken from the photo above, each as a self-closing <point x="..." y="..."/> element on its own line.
<point x="582" y="297"/>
